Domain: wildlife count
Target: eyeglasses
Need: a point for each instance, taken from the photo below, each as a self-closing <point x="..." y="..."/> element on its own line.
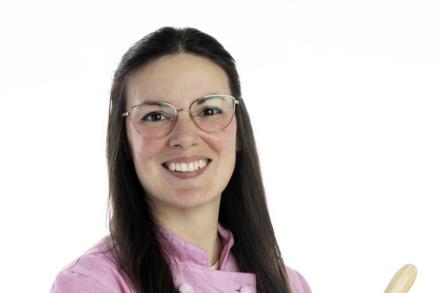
<point x="154" y="119"/>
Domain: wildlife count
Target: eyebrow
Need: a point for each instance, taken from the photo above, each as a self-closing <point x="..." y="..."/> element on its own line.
<point x="154" y="103"/>
<point x="157" y="101"/>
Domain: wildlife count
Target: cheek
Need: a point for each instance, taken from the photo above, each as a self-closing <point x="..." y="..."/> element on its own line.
<point x="225" y="141"/>
<point x="147" y="148"/>
<point x="142" y="149"/>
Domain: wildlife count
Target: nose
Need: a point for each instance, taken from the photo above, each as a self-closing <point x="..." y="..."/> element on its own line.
<point x="185" y="133"/>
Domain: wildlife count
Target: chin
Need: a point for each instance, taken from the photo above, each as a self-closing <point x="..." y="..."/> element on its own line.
<point x="191" y="200"/>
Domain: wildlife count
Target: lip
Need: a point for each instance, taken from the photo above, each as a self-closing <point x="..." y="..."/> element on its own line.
<point x="186" y="175"/>
<point x="186" y="159"/>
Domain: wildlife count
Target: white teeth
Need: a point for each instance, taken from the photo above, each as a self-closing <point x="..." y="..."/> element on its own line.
<point x="187" y="167"/>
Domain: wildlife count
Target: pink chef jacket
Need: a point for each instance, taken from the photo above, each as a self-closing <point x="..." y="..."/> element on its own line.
<point x="94" y="272"/>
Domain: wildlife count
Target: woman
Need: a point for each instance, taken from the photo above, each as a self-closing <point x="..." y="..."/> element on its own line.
<point x="188" y="210"/>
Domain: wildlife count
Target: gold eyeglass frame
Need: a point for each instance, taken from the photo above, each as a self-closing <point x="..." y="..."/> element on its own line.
<point x="176" y="112"/>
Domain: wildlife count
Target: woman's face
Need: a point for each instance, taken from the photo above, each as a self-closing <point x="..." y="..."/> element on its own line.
<point x="178" y="80"/>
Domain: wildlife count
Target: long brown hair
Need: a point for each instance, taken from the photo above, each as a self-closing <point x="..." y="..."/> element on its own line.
<point x="132" y="224"/>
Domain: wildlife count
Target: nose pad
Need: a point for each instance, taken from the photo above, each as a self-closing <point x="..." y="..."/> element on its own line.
<point x="185" y="133"/>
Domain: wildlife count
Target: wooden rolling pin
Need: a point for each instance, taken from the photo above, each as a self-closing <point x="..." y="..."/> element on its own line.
<point x="402" y="280"/>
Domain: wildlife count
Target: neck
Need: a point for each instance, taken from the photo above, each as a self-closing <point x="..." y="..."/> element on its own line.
<point x="197" y="225"/>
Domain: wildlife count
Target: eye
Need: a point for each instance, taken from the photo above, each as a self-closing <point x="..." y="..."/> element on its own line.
<point x="154" y="116"/>
<point x="210" y="111"/>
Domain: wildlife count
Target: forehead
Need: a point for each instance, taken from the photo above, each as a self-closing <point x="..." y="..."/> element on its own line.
<point x="177" y="79"/>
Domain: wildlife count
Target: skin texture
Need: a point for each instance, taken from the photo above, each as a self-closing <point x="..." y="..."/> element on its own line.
<point x="188" y="207"/>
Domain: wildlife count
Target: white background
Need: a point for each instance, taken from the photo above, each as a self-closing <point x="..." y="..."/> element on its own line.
<point x="344" y="100"/>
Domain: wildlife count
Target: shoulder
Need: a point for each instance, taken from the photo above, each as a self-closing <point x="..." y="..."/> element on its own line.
<point x="297" y="281"/>
<point x="94" y="271"/>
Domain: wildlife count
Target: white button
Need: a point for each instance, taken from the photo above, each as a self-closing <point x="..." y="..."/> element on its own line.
<point x="245" y="289"/>
<point x="185" y="288"/>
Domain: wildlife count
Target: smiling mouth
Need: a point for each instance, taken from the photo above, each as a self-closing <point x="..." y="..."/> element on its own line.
<point x="186" y="166"/>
